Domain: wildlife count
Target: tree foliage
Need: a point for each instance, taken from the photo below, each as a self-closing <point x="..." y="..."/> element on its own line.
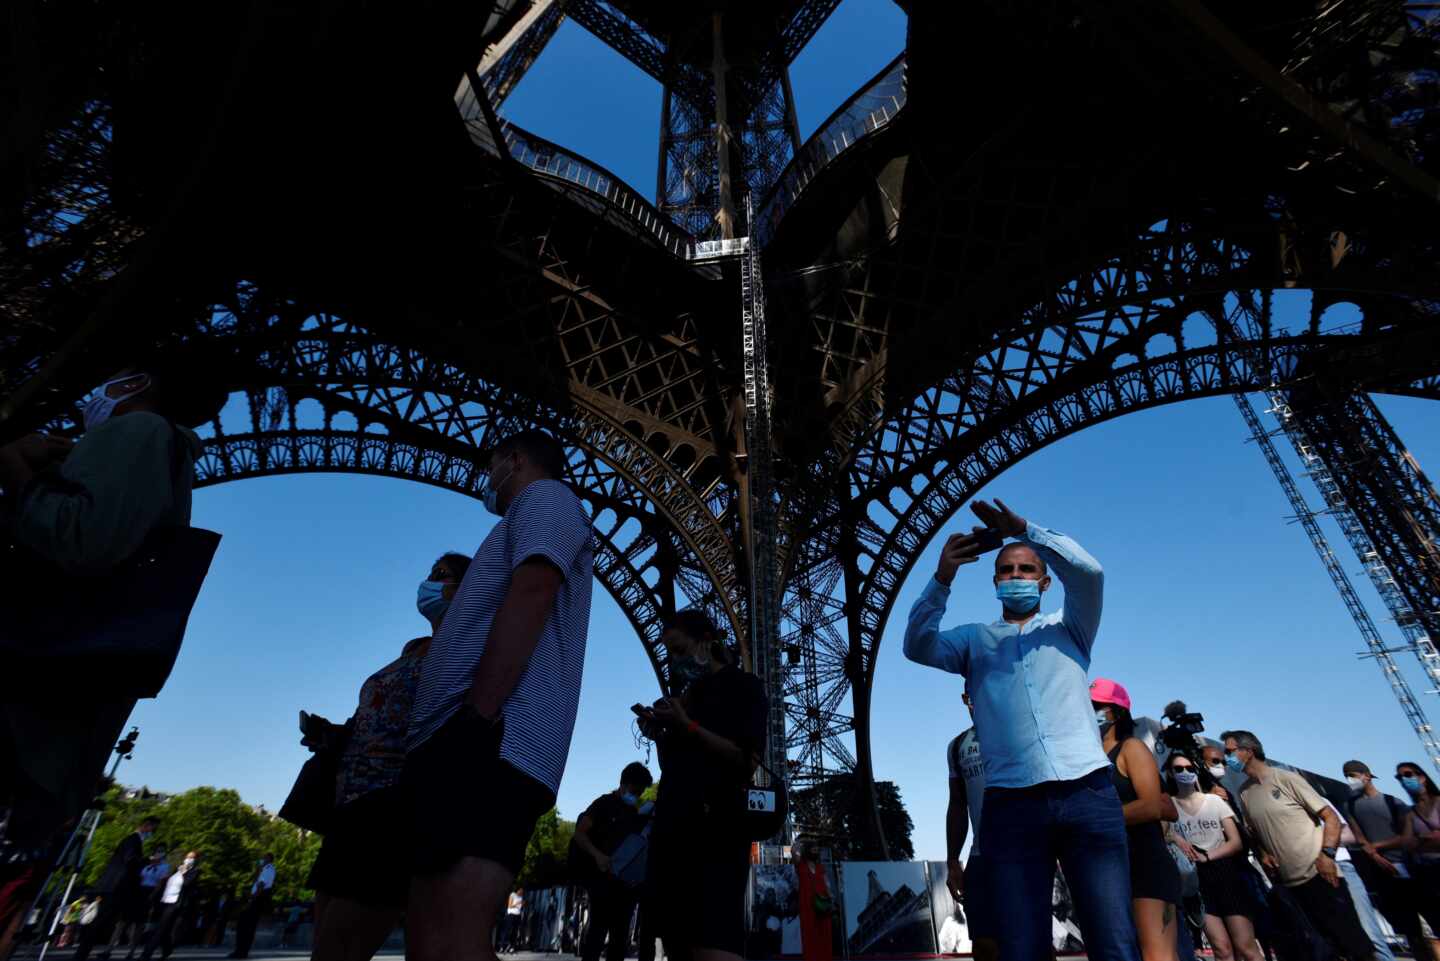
<point x="836" y="812"/>
<point x="546" y="856"/>
<point x="230" y="834"/>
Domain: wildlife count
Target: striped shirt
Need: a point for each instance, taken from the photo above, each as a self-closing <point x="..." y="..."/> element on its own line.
<point x="545" y="520"/>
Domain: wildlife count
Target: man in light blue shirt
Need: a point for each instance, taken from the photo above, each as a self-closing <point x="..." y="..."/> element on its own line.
<point x="1048" y="792"/>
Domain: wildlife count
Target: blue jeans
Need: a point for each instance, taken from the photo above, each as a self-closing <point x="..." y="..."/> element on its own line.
<point x="1366" y="911"/>
<point x="1079" y="823"/>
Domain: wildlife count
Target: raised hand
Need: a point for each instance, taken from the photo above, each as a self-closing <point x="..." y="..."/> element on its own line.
<point x="998" y="517"/>
<point x="959" y="549"/>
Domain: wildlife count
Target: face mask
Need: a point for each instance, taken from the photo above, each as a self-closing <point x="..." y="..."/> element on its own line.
<point x="492" y="493"/>
<point x="188" y="864"/>
<point x="685" y="671"/>
<point x="430" y="600"/>
<point x="1234" y="764"/>
<point x="1186" y="780"/>
<point x="1411" y="785"/>
<point x="1101" y="718"/>
<point x="1018" y="596"/>
<point x="1216" y="770"/>
<point x="145" y="835"/>
<point x="630" y="799"/>
<point x="99" y="406"/>
<point x="1356" y="784"/>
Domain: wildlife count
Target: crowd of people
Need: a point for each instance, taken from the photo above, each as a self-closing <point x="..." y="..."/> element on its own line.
<point x="457" y="747"/>
<point x="1054" y="775"/>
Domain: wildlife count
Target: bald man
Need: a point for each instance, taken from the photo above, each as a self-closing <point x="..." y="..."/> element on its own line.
<point x="1048" y="794"/>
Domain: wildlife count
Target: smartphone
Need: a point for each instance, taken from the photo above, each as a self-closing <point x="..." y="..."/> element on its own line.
<point x="989" y="540"/>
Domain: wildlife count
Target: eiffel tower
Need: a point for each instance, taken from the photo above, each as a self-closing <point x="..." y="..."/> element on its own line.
<point x="780" y="376"/>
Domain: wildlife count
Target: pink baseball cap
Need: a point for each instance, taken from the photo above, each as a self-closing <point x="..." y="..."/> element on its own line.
<point x="1105" y="691"/>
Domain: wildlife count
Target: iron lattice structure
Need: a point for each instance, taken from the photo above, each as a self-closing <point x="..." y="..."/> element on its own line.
<point x="946" y="282"/>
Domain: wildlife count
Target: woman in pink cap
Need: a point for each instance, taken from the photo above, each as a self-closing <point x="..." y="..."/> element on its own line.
<point x="1154" y="879"/>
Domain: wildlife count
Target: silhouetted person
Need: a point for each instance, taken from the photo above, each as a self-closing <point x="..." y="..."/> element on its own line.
<point x="178" y="897"/>
<point x="495" y="707"/>
<point x="118" y="888"/>
<point x="262" y="890"/>
<point x="608" y="820"/>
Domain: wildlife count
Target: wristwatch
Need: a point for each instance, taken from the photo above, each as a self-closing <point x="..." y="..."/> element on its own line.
<point x="1329" y="852"/>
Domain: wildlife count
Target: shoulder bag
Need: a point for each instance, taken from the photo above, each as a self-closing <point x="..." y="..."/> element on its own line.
<point x="116" y="634"/>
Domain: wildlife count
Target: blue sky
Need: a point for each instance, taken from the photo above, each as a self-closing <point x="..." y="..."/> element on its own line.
<point x="1211" y="595"/>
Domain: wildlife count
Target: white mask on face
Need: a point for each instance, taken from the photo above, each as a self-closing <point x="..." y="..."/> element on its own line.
<point x="100" y="406"/>
<point x="1216" y="770"/>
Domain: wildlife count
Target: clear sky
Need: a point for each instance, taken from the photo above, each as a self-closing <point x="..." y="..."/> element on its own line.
<point x="1211" y="595"/>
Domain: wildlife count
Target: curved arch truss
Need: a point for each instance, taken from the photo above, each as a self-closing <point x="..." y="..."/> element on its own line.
<point x="322" y="396"/>
<point x="1156" y="324"/>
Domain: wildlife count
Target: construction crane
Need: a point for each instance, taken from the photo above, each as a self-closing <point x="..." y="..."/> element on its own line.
<point x="1245" y="318"/>
<point x="1375" y="645"/>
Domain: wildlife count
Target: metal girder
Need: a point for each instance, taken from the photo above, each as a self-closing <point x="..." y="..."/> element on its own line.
<point x="648" y="53"/>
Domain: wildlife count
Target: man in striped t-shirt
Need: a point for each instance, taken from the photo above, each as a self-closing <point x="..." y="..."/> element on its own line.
<point x="495" y="705"/>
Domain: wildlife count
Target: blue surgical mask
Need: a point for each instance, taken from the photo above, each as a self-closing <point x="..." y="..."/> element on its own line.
<point x="1102" y="719"/>
<point x="1234" y="764"/>
<point x="492" y="492"/>
<point x="630" y="799"/>
<point x="1412" y="786"/>
<point x="1018" y="596"/>
<point x="430" y="600"/>
<point x="1186" y="780"/>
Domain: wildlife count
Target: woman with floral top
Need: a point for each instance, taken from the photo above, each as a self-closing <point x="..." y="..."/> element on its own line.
<point x="360" y="889"/>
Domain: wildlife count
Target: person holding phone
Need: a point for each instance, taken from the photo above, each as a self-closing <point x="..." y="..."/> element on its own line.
<point x="360" y="889"/>
<point x="708" y="736"/>
<point x="1048" y="794"/>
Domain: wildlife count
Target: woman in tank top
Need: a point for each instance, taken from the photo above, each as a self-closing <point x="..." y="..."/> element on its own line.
<point x="1154" y="878"/>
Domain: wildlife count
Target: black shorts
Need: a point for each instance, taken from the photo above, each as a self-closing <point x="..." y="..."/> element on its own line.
<point x="979" y="912"/>
<point x="1224" y="887"/>
<point x="463" y="801"/>
<point x="354" y="862"/>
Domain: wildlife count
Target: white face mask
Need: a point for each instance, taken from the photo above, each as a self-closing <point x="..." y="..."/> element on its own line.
<point x="1356" y="784"/>
<point x="100" y="406"/>
<point x="188" y="864"/>
<point x="1216" y="770"/>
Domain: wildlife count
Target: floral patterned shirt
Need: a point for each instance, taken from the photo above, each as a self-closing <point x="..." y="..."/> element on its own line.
<point x="375" y="752"/>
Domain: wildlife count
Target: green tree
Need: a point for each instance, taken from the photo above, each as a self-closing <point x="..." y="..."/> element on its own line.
<point x="547" y="854"/>
<point x="835" y="810"/>
<point x="230" y="834"/>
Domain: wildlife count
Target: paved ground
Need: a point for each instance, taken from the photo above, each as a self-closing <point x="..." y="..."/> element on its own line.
<point x="274" y="954"/>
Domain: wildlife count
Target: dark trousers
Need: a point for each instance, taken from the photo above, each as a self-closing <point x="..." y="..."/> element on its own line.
<point x="98" y="931"/>
<point x="1080" y="824"/>
<point x="612" y="905"/>
<point x="1331" y="911"/>
<point x="163" y="937"/>
<point x="245" y="924"/>
<point x="1403" y="901"/>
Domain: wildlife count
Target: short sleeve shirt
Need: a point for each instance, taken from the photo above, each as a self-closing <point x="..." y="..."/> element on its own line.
<point x="1205" y="829"/>
<point x="966" y="762"/>
<point x="1284" y="812"/>
<point x="1378" y="822"/>
<point x="730" y="704"/>
<point x="611" y="820"/>
<point x="374" y="754"/>
<point x="546" y="520"/>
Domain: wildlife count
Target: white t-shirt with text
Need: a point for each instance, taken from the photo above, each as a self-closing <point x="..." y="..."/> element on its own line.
<point x="1205" y="828"/>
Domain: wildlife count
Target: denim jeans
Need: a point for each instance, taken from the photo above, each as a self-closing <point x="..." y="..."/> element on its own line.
<point x="1079" y="823"/>
<point x="1365" y="910"/>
